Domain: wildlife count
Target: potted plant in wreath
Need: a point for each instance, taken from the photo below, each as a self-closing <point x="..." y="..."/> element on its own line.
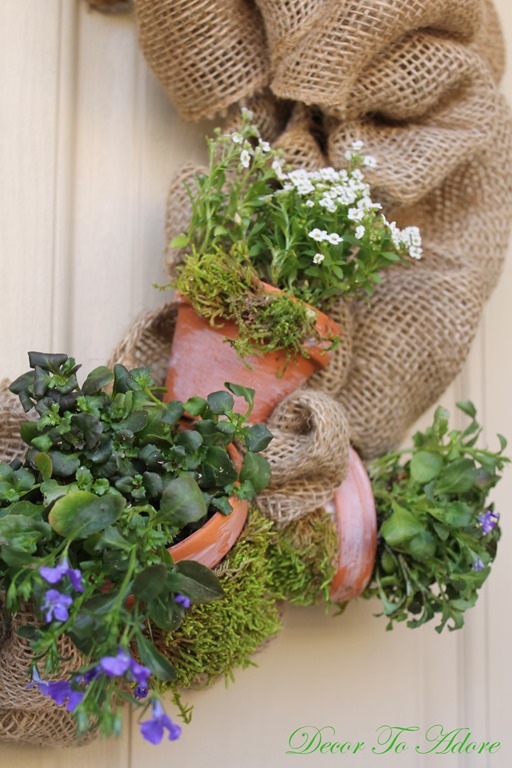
<point x="111" y="482"/>
<point x="266" y="252"/>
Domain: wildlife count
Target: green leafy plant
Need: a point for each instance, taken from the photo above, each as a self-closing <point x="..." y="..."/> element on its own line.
<point x="317" y="235"/>
<point x="437" y="533"/>
<point x="110" y="480"/>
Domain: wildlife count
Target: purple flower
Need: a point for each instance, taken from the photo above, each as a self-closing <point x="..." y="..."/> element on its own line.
<point x="115" y="666"/>
<point x="58" y="691"/>
<point x="182" y="600"/>
<point x="56" y="605"/>
<point x="55" y="575"/>
<point x="62" y="690"/>
<point x="42" y="685"/>
<point x="488" y="520"/>
<point x="153" y="729"/>
<point x="478" y="564"/>
<point x="140" y="692"/>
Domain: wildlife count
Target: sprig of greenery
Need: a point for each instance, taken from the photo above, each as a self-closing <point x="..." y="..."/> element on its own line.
<point x="109" y="481"/>
<point x="315" y="234"/>
<point x="437" y="533"/>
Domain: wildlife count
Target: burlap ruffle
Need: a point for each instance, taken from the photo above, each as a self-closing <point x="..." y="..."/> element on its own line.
<point x="416" y="81"/>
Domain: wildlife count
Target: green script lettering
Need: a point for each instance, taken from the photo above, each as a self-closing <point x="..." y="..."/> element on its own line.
<point x="307" y="739"/>
<point x="388" y="736"/>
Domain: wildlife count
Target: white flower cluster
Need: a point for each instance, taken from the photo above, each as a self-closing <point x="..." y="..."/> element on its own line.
<point x="345" y="189"/>
<point x="408" y="238"/>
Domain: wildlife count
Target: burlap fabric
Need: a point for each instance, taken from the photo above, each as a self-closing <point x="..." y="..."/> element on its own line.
<point x="416" y="80"/>
<point x="12" y="417"/>
<point x="26" y="716"/>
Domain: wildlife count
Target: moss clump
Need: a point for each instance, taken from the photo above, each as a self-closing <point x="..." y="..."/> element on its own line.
<point x="303" y="559"/>
<point x="225" y="286"/>
<point x="215" y="638"/>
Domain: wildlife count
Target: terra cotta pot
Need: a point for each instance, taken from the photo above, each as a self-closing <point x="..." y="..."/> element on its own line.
<point x="201" y="362"/>
<point x="353" y="508"/>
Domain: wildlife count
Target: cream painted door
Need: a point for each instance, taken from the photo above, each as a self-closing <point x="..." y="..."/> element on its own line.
<point x="88" y="143"/>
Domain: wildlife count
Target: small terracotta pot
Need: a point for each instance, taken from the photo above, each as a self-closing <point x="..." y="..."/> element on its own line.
<point x="353" y="507"/>
<point x="210" y="543"/>
<point x="201" y="362"/>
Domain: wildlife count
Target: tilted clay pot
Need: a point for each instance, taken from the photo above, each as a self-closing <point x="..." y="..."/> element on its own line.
<point x="202" y="361"/>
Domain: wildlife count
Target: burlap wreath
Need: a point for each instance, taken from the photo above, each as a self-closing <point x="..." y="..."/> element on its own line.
<point x="416" y="80"/>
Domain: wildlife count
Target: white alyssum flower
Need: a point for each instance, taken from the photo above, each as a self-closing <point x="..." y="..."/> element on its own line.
<point x="318" y="258"/>
<point x="277" y="167"/>
<point x="236" y="138"/>
<point x="310" y="203"/>
<point x="334" y="238"/>
<point x="264" y="146"/>
<point x="369" y="161"/>
<point x="357" y="145"/>
<point x="318" y="234"/>
<point x="248" y="113"/>
<point x="245" y="158"/>
<point x="355" y="214"/>
<point x="359" y="233"/>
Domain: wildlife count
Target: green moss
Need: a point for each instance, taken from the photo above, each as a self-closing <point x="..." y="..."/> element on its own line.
<point x="215" y="638"/>
<point x="302" y="559"/>
<point x="225" y="286"/>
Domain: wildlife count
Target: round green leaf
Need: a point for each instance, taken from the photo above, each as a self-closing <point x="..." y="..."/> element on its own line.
<point x="79" y="514"/>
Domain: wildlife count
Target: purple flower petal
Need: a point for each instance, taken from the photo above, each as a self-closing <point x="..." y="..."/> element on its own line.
<point x="51" y="575"/>
<point x="140" y="692"/>
<point x="139" y="673"/>
<point x="186" y="602"/>
<point x="75" y="577"/>
<point x="152" y="731"/>
<point x="115" y="666"/>
<point x="56" y="605"/>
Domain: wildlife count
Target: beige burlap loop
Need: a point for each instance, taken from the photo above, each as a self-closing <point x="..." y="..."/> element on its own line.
<point x="51" y="727"/>
<point x="15" y="660"/>
<point x="208" y="54"/>
<point x="331" y="379"/>
<point x="308" y="455"/>
<point x="301" y="140"/>
<point x="414" y="158"/>
<point x="270" y="115"/>
<point x="489" y="42"/>
<point x="407" y="346"/>
<point x="148" y="342"/>
<point x="12" y="417"/>
<point x="178" y="212"/>
<point x="319" y="63"/>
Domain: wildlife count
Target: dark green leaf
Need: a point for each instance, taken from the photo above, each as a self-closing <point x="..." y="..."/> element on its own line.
<point x="166" y="613"/>
<point x="151" y="658"/>
<point x="257" y="438"/>
<point x="246" y="392"/>
<point x="97" y="379"/>
<point x="150" y="583"/>
<point x="50" y="362"/>
<point x="182" y="501"/>
<point x="80" y="513"/>
<point x="64" y="464"/>
<point x="197" y="582"/>
<point x="256" y="470"/>
<point x="220" y="402"/>
<point x="172" y="412"/>
<point x="195" y="406"/>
